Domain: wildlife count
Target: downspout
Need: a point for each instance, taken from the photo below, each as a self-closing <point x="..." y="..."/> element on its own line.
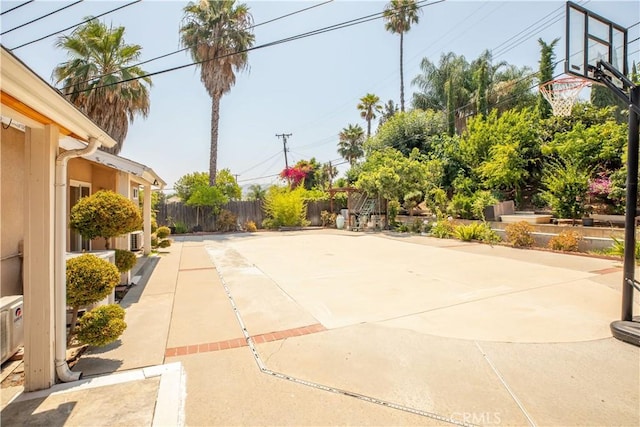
<point x="60" y="237"/>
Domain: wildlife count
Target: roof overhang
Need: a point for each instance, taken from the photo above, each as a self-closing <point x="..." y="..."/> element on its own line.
<point x="29" y="99"/>
<point x="145" y="174"/>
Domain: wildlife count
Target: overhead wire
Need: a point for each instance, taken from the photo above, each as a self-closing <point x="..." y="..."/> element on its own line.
<point x="261" y="163"/>
<point x="75" y="25"/>
<point x="322" y="30"/>
<point x="41" y="17"/>
<point x="17" y="7"/>
<point x="186" y="48"/>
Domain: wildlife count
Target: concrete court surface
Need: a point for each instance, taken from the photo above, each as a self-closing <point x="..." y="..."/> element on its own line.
<point x="469" y="332"/>
<point x="359" y="329"/>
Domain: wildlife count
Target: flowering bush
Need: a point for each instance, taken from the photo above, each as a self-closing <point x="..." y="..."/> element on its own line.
<point x="295" y="175"/>
<point x="600" y="187"/>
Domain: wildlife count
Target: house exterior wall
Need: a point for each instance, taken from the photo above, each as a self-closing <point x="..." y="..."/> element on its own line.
<point x="11" y="213"/>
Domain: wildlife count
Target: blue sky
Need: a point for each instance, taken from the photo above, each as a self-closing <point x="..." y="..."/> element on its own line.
<point x="309" y="87"/>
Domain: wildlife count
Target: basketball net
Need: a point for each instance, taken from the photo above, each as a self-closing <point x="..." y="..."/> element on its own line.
<point x="562" y="93"/>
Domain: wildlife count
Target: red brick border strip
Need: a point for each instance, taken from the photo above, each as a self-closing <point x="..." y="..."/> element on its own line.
<point x="241" y="342"/>
<point x="607" y="270"/>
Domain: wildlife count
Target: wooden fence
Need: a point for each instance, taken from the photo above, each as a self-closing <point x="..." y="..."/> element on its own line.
<point x="174" y="213"/>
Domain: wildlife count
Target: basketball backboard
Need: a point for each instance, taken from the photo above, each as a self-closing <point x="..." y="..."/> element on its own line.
<point x="591" y="38"/>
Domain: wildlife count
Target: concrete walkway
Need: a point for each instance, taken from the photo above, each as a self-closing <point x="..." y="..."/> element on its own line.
<point x="335" y="328"/>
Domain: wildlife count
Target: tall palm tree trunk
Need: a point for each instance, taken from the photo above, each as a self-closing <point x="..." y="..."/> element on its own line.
<point x="213" y="150"/>
<point x="368" y="128"/>
<point x="401" y="74"/>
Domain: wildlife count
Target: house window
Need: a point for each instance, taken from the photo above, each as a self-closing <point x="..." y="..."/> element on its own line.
<point x="78" y="190"/>
<point x="135" y="193"/>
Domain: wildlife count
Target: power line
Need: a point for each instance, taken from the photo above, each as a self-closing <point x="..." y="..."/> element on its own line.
<point x="261" y="163"/>
<point x="292" y="13"/>
<point x="41" y="17"/>
<point x="186" y="48"/>
<point x="330" y="28"/>
<point x="17" y="7"/>
<point x="75" y="25"/>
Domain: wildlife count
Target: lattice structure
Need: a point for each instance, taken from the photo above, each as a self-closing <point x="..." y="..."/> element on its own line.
<point x="562" y="93"/>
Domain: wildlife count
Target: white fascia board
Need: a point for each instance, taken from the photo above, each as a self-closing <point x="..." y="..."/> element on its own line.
<point x="145" y="174"/>
<point x="20" y="82"/>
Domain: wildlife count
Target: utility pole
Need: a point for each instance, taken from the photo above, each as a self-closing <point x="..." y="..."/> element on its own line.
<point x="284" y="137"/>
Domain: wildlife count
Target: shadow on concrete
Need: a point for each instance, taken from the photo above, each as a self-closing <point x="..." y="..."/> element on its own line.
<point x="92" y="365"/>
<point x="23" y="414"/>
<point x="135" y="292"/>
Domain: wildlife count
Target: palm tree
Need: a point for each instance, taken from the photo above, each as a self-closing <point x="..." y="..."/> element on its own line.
<point x="217" y="34"/>
<point x="398" y="16"/>
<point x="101" y="81"/>
<point x="350" y="144"/>
<point x="369" y="105"/>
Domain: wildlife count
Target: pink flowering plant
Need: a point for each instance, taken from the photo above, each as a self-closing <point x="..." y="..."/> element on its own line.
<point x="600" y="187"/>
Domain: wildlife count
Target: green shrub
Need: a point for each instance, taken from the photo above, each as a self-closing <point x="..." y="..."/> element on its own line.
<point x="476" y="231"/>
<point x="285" y="207"/>
<point x="105" y="214"/>
<point x="163" y="232"/>
<point x="443" y="229"/>
<point x="393" y="207"/>
<point x="165" y="243"/>
<point x="519" y="234"/>
<point x="481" y="200"/>
<point x="402" y="228"/>
<point x="89" y="279"/>
<point x="250" y="226"/>
<point x="328" y="219"/>
<point x="226" y="221"/>
<point x="460" y="206"/>
<point x="469" y="232"/>
<point x="102" y="325"/>
<point x="154" y="225"/>
<point x="416" y="226"/>
<point x="154" y="241"/>
<point x="566" y="189"/>
<point x="125" y="260"/>
<point x="617" y="249"/>
<point x="567" y="240"/>
<point x="181" y="227"/>
<point x="436" y="201"/>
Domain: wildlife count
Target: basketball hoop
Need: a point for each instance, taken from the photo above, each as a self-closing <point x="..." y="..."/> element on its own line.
<point x="562" y="93"/>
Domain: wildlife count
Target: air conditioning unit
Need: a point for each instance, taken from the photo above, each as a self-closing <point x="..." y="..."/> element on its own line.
<point x="136" y="240"/>
<point x="12" y="335"/>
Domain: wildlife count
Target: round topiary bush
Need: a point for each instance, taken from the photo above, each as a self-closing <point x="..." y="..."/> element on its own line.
<point x="125" y="260"/>
<point x="89" y="279"/>
<point x="105" y="214"/>
<point x="163" y="232"/>
<point x="164" y="243"/>
<point x="102" y="325"/>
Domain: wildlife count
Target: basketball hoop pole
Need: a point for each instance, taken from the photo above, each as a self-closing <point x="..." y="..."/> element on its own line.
<point x="627" y="328"/>
<point x="632" y="200"/>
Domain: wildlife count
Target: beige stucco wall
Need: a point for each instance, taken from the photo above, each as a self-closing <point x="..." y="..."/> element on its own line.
<point x="11" y="214"/>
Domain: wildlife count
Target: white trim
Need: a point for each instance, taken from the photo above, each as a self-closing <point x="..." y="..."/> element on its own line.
<point x="138" y="172"/>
